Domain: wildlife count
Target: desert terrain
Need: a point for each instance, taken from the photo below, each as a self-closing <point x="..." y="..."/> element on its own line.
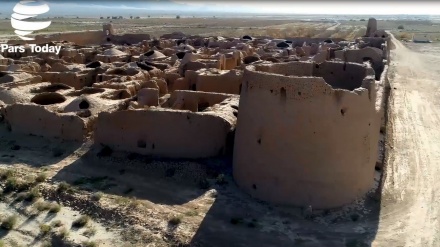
<point x="88" y="195"/>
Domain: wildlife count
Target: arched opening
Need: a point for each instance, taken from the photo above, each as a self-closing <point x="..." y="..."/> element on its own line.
<point x="180" y="55"/>
<point x="93" y="65"/>
<point x="247" y="37"/>
<point x="48" y="99"/>
<point x="149" y="53"/>
<point x="144" y="66"/>
<point x="367" y="59"/>
<point x="119" y="71"/>
<point x="84" y="105"/>
<point x="123" y="94"/>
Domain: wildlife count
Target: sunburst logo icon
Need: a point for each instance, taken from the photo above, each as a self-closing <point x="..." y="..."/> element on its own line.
<point x="25" y="10"/>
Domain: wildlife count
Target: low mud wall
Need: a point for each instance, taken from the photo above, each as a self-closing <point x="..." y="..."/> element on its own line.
<point x="37" y="120"/>
<point x="164" y="133"/>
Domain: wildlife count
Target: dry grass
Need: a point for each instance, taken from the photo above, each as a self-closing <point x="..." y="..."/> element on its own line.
<point x="42" y="206"/>
<point x="57" y="223"/>
<point x="45" y="229"/>
<point x="81" y="221"/>
<point x="63" y="233"/>
<point x="9" y="222"/>
<point x="405" y="35"/>
<point x="175" y="220"/>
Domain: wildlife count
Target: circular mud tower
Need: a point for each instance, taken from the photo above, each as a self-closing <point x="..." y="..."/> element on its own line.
<point x="307" y="134"/>
<point x="371" y="27"/>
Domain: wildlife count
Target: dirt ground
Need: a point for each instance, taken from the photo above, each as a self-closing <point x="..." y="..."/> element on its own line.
<point x="410" y="209"/>
<point x="233" y="27"/>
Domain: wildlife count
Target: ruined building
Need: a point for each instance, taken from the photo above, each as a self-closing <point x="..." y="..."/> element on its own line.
<point x="299" y="116"/>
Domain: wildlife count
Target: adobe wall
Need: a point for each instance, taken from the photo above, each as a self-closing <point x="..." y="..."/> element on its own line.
<point x="224" y="82"/>
<point x="193" y="100"/>
<point x="301" y="142"/>
<point x="129" y="38"/>
<point x="85" y="38"/>
<point x="299" y="41"/>
<point x="37" y="120"/>
<point x="164" y="133"/>
<point x="77" y="80"/>
<point x="79" y="38"/>
<point x="342" y="75"/>
<point x="288" y="69"/>
<point x="337" y="74"/>
<point x="381" y="94"/>
<point x="375" y="55"/>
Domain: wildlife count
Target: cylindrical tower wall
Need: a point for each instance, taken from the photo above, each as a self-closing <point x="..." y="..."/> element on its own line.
<point x="301" y="142"/>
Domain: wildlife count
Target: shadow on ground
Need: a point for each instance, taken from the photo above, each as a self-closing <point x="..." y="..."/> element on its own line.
<point x="161" y="181"/>
<point x="234" y="219"/>
<point x="33" y="151"/>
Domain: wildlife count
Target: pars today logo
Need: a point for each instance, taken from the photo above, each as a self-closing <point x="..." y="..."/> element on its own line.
<point x="28" y="9"/>
<point x="23" y="11"/>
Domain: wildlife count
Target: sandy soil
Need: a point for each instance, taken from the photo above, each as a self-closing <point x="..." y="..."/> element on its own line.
<point x="410" y="208"/>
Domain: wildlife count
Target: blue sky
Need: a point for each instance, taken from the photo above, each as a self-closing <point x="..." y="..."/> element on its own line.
<point x="145" y="7"/>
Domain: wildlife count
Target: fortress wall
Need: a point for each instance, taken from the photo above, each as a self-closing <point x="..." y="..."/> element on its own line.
<point x="299" y="41"/>
<point x="342" y="75"/>
<point x="164" y="133"/>
<point x="129" y="38"/>
<point x="381" y="101"/>
<point x="288" y="69"/>
<point x="228" y="83"/>
<point x="194" y="100"/>
<point x="79" y="38"/>
<point x="300" y="142"/>
<point x="85" y="38"/>
<point x="376" y="42"/>
<point x="37" y="120"/>
<point x="73" y="79"/>
<point x="375" y="55"/>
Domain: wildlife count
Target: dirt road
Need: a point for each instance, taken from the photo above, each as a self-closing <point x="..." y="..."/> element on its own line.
<point x="332" y="28"/>
<point x="411" y="196"/>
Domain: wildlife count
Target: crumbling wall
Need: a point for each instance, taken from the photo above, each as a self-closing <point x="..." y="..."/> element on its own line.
<point x="79" y="38"/>
<point x="287" y="69"/>
<point x="342" y="75"/>
<point x="384" y="84"/>
<point x="371" y="54"/>
<point x="299" y="141"/>
<point x="37" y="120"/>
<point x="86" y="38"/>
<point x="164" y="133"/>
<point x="299" y="41"/>
<point x="228" y="82"/>
<point x="194" y="101"/>
<point x="77" y="80"/>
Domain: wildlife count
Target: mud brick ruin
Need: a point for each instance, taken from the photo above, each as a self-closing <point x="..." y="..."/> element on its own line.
<point x="300" y="116"/>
